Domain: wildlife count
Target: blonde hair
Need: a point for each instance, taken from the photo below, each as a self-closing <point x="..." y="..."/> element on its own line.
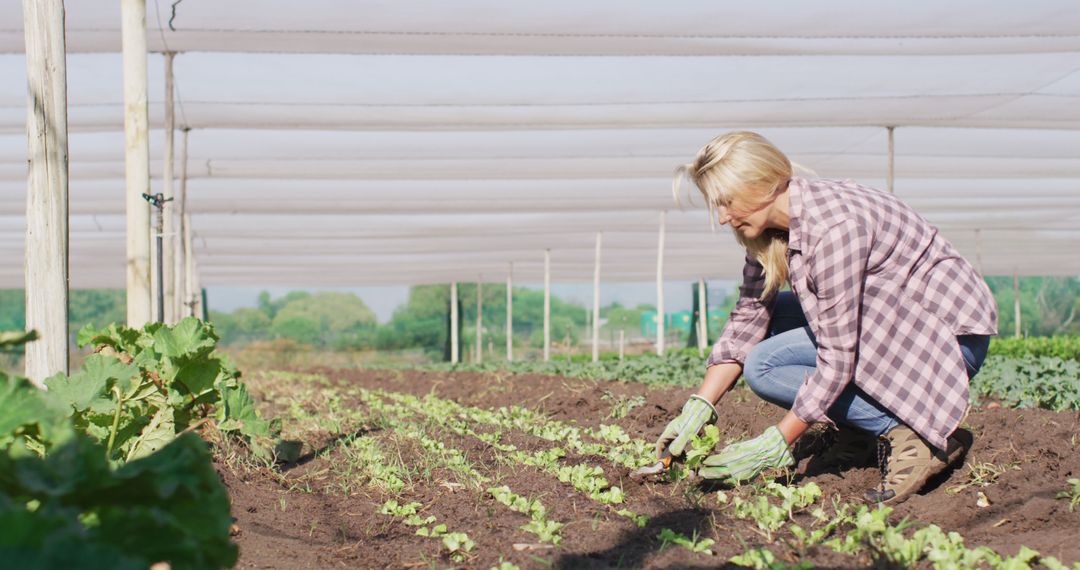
<point x="744" y="166"/>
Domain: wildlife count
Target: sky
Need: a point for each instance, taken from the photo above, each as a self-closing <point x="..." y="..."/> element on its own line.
<point x="384" y="299"/>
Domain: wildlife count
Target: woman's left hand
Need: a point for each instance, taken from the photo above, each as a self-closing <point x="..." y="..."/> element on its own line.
<point x="748" y="459"/>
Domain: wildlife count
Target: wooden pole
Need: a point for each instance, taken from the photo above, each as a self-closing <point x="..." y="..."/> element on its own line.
<point x="183" y="267"/>
<point x="168" y="256"/>
<point x="660" y="287"/>
<point x="46" y="270"/>
<point x="480" y="320"/>
<point x="453" y="323"/>
<point x="596" y="302"/>
<point x="702" y="323"/>
<point x="510" y="314"/>
<point x="1016" y="300"/>
<point x="137" y="161"/>
<point x="547" y="305"/>
<point x="892" y="159"/>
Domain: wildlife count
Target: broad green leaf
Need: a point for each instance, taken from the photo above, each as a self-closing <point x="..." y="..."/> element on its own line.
<point x="156" y="435"/>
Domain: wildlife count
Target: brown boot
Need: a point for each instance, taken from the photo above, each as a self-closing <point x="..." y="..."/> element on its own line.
<point x="851" y="448"/>
<point x="912" y="462"/>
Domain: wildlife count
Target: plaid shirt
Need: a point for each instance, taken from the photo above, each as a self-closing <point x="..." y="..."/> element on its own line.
<point x="885" y="295"/>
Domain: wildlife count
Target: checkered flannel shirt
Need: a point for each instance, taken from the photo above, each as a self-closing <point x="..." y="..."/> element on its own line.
<point x="885" y="295"/>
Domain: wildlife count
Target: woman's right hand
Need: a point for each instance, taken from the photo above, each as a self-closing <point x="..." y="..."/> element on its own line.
<point x="678" y="433"/>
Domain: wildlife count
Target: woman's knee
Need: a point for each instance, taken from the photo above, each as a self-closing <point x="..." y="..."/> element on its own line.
<point x="756" y="369"/>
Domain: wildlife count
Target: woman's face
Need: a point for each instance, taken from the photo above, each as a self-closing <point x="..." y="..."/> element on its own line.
<point x="749" y="221"/>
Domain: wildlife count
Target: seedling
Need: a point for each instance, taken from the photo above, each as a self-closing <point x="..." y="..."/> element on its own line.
<point x="668" y="537"/>
<point x="1072" y="493"/>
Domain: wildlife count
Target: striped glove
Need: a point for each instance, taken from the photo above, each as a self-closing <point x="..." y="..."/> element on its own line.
<point x="695" y="412"/>
<point x="747" y="459"/>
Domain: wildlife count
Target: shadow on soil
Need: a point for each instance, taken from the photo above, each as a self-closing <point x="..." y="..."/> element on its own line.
<point x="636" y="546"/>
<point x="333" y="443"/>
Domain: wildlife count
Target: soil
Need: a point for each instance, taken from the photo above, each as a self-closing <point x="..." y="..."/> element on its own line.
<point x="299" y="516"/>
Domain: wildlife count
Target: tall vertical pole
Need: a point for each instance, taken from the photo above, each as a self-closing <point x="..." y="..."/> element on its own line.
<point x="453" y="323"/>
<point x="596" y="303"/>
<point x="978" y="250"/>
<point x="622" y="343"/>
<point x="702" y="323"/>
<point x="892" y="158"/>
<point x="660" y="286"/>
<point x="547" y="305"/>
<point x="480" y="320"/>
<point x="46" y="270"/>
<point x="190" y="289"/>
<point x="168" y="238"/>
<point x="184" y="285"/>
<point x="510" y="314"/>
<point x="137" y="161"/>
<point x="1016" y="299"/>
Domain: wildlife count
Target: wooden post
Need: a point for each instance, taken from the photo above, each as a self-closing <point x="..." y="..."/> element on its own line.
<point x="510" y="314"/>
<point x="46" y="270"/>
<point x="137" y="160"/>
<point x="183" y="267"/>
<point x="453" y="323"/>
<point x="702" y="323"/>
<point x="198" y="294"/>
<point x="892" y="159"/>
<point x="660" y="287"/>
<point x="596" y="302"/>
<point x="622" y="343"/>
<point x="168" y="253"/>
<point x="547" y="305"/>
<point x="480" y="320"/>
<point x="1016" y="300"/>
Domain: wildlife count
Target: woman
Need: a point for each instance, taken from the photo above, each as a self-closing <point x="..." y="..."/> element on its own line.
<point x="882" y="330"/>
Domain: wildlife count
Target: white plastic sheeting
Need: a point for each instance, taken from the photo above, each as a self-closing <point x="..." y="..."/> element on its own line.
<point x="341" y="143"/>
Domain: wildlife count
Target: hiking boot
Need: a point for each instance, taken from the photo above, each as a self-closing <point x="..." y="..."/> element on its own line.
<point x="851" y="448"/>
<point x="908" y="462"/>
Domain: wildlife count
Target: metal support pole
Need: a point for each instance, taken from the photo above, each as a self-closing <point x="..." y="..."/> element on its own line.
<point x="547" y="305"/>
<point x="184" y="288"/>
<point x="46" y="270"/>
<point x="978" y="250"/>
<point x="510" y="314"/>
<point x="137" y="160"/>
<point x="660" y="286"/>
<point x="622" y="343"/>
<point x="596" y="303"/>
<point x="158" y="202"/>
<point x="1016" y="300"/>
<point x="453" y="323"/>
<point x="168" y="252"/>
<point x="702" y="322"/>
<point x="480" y="320"/>
<point x="892" y="159"/>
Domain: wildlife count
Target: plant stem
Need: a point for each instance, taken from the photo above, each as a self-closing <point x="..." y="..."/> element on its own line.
<point x="115" y="422"/>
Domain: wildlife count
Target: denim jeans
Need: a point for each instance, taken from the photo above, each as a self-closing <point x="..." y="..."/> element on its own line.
<point x="775" y="368"/>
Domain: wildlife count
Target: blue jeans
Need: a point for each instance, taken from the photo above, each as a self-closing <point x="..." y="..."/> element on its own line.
<point x="775" y="368"/>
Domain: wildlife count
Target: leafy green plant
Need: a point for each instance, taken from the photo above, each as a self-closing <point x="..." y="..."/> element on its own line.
<point x="72" y="509"/>
<point x="1072" y="493"/>
<point x="65" y="503"/>
<point x="693" y="544"/>
<point x="1066" y="347"/>
<point x="169" y="374"/>
<point x="1032" y="382"/>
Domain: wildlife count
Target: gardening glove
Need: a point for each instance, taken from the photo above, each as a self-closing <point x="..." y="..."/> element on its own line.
<point x="747" y="459"/>
<point x="695" y="412"/>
